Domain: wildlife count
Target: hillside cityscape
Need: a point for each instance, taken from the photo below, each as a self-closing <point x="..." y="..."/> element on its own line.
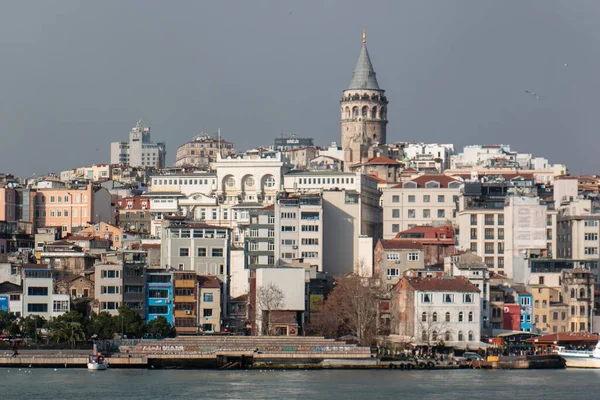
<point x="404" y="244"/>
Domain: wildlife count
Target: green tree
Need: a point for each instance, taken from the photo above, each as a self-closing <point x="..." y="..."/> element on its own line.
<point x="101" y="326"/>
<point x="130" y="323"/>
<point x="63" y="331"/>
<point x="160" y="328"/>
<point x="31" y="324"/>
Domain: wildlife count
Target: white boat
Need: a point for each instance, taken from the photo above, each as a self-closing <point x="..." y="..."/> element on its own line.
<point x="581" y="358"/>
<point x="96" y="361"/>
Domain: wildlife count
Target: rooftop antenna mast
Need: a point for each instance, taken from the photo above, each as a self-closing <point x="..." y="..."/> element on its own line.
<point x="219" y="139"/>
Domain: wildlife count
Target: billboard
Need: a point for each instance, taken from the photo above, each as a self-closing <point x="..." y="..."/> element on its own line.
<point x="315" y="303"/>
<point x="4" y="303"/>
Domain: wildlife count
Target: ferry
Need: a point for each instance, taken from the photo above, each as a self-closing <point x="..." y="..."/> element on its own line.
<point x="96" y="361"/>
<point x="581" y="358"/>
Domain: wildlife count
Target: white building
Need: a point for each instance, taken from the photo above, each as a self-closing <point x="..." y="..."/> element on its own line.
<point x="108" y="287"/>
<point x="425" y="200"/>
<point x="186" y="183"/>
<point x="139" y="151"/>
<point x="414" y="152"/>
<point x="299" y="229"/>
<point x="38" y="294"/>
<point x="427" y="311"/>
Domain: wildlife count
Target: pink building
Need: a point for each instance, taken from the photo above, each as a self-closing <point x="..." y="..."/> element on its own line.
<point x="8" y="204"/>
<point x="72" y="208"/>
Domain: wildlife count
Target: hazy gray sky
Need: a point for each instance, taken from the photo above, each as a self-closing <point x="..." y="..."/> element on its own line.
<point x="77" y="75"/>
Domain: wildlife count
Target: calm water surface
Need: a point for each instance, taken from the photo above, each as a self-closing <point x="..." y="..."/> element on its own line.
<point x="383" y="384"/>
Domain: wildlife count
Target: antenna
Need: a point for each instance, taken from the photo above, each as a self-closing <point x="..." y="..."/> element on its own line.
<point x="219" y="136"/>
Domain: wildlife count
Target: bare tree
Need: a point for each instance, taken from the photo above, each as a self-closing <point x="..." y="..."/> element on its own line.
<point x="268" y="299"/>
<point x="354" y="304"/>
<point x="432" y="327"/>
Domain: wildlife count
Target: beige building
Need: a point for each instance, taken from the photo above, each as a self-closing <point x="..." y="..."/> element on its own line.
<point x="395" y="257"/>
<point x="209" y="304"/>
<point x="424" y="200"/>
<point x="108" y="284"/>
<point x="202" y="150"/>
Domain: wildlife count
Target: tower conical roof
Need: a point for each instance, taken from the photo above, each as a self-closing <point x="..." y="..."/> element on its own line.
<point x="364" y="76"/>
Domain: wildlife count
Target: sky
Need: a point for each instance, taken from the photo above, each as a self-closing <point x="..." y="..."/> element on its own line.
<point x="75" y="76"/>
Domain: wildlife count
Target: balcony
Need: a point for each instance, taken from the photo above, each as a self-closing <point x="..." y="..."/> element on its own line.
<point x="184" y="299"/>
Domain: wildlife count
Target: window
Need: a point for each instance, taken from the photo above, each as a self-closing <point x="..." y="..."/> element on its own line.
<point x="37" y="308"/>
<point x="489" y="219"/>
<point x="158" y="293"/>
<point x="473" y="247"/>
<point x="470" y="316"/>
<point x="471" y="336"/>
<point x="489" y="248"/>
<point x="411" y="198"/>
<point x="501" y="219"/>
<point x="426" y="198"/>
<point x="37" y="291"/>
<point x="395" y="228"/>
<point x="310" y="241"/>
<point x="217" y="252"/>
<point x="473" y="219"/>
<point x="309" y="228"/>
<point x="541" y="280"/>
<point x="425" y="297"/>
<point x="424" y="317"/>
<point x="448" y="298"/>
<point x="489" y="262"/>
<point x="426" y="213"/>
<point x="590" y="250"/>
<point x="158" y="309"/>
<point x="460" y="316"/>
<point x="393" y="256"/>
<point x="109" y="289"/>
<point x="434" y="317"/>
<point x="110" y="274"/>
<point x="591" y="223"/>
<point x="441" y="198"/>
<point x="447" y="317"/>
<point x="207" y="297"/>
<point x="441" y="214"/>
<point x="395" y="199"/>
<point x="489" y="233"/>
<point x="110" y="305"/>
<point x="460" y="336"/>
<point x="393" y="272"/>
<point x="473" y="233"/>
<point x="395" y="213"/>
<point x="288" y="215"/>
<point x="412" y="213"/>
<point x="468" y="298"/>
<point x="413" y="257"/>
<point x="207" y="312"/>
<point x="500" y="247"/>
<point x="500" y="262"/>
<point x="310" y="254"/>
<point x="548" y="234"/>
<point x="525" y="301"/>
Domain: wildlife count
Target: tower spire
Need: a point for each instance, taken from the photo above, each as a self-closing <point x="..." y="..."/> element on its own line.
<point x="364" y="35"/>
<point x="364" y="76"/>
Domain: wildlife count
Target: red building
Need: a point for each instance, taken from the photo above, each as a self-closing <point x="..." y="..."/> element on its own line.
<point x="511" y="317"/>
<point x="437" y="241"/>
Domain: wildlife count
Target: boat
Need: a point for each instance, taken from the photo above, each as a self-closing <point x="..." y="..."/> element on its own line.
<point x="96" y="361"/>
<point x="581" y="358"/>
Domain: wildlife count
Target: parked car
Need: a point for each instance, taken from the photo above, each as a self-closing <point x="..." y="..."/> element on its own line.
<point x="470" y="356"/>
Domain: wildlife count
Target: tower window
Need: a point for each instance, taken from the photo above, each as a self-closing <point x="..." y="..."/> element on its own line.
<point x="365" y="111"/>
<point x="374" y="113"/>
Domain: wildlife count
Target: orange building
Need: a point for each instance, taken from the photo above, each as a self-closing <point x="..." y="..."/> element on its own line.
<point x="8" y="208"/>
<point x="102" y="230"/>
<point x="72" y="207"/>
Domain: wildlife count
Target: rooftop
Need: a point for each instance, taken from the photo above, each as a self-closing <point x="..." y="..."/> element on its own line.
<point x="401" y="244"/>
<point x="444" y="283"/>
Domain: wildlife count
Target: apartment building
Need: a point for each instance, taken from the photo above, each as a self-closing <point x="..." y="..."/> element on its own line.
<point x="185" y="302"/>
<point x="578" y="225"/>
<point x="106" y="231"/>
<point x="505" y="228"/>
<point x="159" y="295"/>
<point x="38" y="293"/>
<point x="187" y="183"/>
<point x="134" y="280"/>
<point x="259" y="245"/>
<point x="425" y="200"/>
<point x="197" y="247"/>
<point x="209" y="304"/>
<point x="299" y="229"/>
<point x="8" y="203"/>
<point x="139" y="150"/>
<point x="72" y="207"/>
<point x="134" y="215"/>
<point x="202" y="150"/>
<point x="108" y="278"/>
<point x="393" y="258"/>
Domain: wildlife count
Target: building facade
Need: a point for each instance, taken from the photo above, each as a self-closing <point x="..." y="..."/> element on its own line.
<point x="139" y="150"/>
<point x="202" y="150"/>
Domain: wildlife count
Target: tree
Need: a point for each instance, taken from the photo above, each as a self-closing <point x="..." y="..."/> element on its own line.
<point x="63" y="331"/>
<point x="354" y="303"/>
<point x="268" y="299"/>
<point x="8" y="324"/>
<point x="101" y="326"/>
<point x="160" y="328"/>
<point x="31" y="324"/>
<point x="128" y="322"/>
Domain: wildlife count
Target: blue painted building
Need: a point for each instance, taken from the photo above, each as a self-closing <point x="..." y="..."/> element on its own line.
<point x="526" y="301"/>
<point x="4" y="303"/>
<point x="159" y="295"/>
